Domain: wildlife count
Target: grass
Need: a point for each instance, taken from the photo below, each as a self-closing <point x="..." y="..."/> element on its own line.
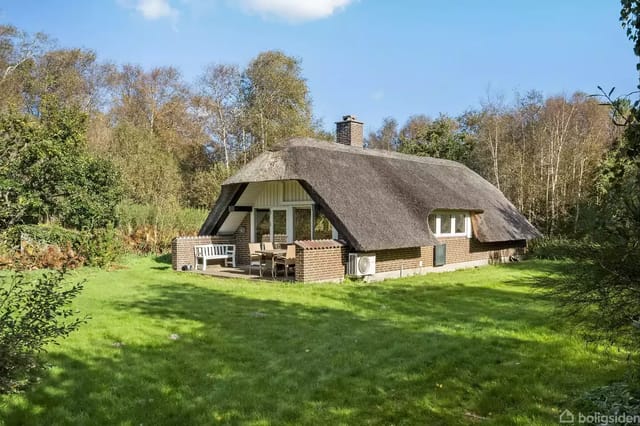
<point x="475" y="346"/>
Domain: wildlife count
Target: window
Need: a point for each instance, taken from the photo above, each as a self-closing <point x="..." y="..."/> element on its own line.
<point x="322" y="229"/>
<point x="262" y="224"/>
<point x="445" y="224"/>
<point x="448" y="224"/>
<point x="279" y="218"/>
<point x="290" y="223"/>
<point x="460" y="223"/>
<point x="270" y="225"/>
<point x="302" y="223"/>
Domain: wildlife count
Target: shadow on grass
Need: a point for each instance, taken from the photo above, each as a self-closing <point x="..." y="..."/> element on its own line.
<point x="424" y="358"/>
<point x="163" y="258"/>
<point x="536" y="267"/>
<point x="161" y="268"/>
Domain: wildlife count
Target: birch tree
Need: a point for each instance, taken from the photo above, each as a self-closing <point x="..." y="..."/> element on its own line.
<point x="278" y="104"/>
<point x="219" y="105"/>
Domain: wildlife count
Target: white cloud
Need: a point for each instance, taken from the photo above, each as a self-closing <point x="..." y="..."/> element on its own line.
<point x="295" y="10"/>
<point x="378" y="95"/>
<point x="156" y="9"/>
<point x="289" y="10"/>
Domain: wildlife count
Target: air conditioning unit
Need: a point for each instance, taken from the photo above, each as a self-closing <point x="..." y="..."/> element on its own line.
<point x="361" y="264"/>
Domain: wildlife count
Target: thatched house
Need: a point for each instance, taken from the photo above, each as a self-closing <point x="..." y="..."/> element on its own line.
<point x="345" y="206"/>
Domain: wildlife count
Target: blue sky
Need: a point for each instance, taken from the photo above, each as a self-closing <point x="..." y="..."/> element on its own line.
<point x="364" y="57"/>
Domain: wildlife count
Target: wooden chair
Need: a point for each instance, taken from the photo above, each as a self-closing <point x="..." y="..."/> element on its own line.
<point x="255" y="258"/>
<point x="267" y="246"/>
<point x="289" y="259"/>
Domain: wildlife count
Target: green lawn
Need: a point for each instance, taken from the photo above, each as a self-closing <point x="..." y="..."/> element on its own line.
<point x="437" y="349"/>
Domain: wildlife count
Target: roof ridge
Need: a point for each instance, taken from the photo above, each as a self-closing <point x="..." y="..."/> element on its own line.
<point x="334" y="146"/>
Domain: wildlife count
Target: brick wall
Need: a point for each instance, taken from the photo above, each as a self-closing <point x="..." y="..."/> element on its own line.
<point x="325" y="260"/>
<point x="182" y="248"/>
<point x="470" y="249"/>
<point x="328" y="263"/>
<point x="320" y="262"/>
<point x="397" y="259"/>
<point x="242" y="240"/>
<point x="459" y="250"/>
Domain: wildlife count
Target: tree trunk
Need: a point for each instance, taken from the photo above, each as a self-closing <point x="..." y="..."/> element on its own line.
<point x="264" y="142"/>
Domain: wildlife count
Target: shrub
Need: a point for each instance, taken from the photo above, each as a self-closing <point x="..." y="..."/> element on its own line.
<point x="101" y="247"/>
<point x="41" y="234"/>
<point x="32" y="314"/>
<point x="558" y="248"/>
<point x="51" y="246"/>
<point x="599" y="290"/>
<point x="149" y="229"/>
<point x="46" y="173"/>
<point x="48" y="256"/>
<point x="616" y="399"/>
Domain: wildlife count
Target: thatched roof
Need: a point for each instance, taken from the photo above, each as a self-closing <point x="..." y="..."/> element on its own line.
<point x="378" y="199"/>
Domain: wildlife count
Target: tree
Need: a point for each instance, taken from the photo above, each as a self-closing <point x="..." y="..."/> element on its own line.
<point x="277" y="98"/>
<point x="543" y="153"/>
<point x="440" y="138"/>
<point x="219" y="106"/>
<point x="603" y="291"/>
<point x="32" y="69"/>
<point x="33" y="314"/>
<point x="46" y="174"/>
<point x="152" y="132"/>
<point x="386" y="137"/>
<point x="151" y="173"/>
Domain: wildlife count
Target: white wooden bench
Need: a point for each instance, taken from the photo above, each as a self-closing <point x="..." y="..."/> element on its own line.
<point x="215" y="251"/>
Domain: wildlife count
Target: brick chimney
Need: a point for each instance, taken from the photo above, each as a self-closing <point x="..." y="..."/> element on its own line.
<point x="349" y="131"/>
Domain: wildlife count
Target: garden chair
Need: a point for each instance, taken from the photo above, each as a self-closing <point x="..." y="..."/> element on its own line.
<point x="255" y="258"/>
<point x="289" y="259"/>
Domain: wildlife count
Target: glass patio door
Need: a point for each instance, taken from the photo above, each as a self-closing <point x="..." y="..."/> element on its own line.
<point x="282" y="225"/>
<point x="262" y="225"/>
<point x="302" y="223"/>
<point x="279" y="226"/>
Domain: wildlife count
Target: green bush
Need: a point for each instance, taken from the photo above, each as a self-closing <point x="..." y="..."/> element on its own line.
<point x="170" y="216"/>
<point x="45" y="234"/>
<point x="101" y="247"/>
<point x="149" y="229"/>
<point x="613" y="400"/>
<point x="47" y="175"/>
<point x="97" y="247"/>
<point x="32" y="314"/>
<point x="560" y="248"/>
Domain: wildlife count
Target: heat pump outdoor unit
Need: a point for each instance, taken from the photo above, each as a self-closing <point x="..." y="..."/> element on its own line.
<point x="361" y="264"/>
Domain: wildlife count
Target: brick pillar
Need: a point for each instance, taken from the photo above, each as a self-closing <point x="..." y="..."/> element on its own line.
<point x="320" y="260"/>
<point x="242" y="241"/>
<point x="349" y="131"/>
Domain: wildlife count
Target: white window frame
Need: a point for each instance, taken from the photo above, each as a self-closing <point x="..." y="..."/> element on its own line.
<point x="288" y="215"/>
<point x="280" y="204"/>
<point x="312" y="214"/>
<point x="438" y="232"/>
<point x="290" y="224"/>
<point x="252" y="221"/>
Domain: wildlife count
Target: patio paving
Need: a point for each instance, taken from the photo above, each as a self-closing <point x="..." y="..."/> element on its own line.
<point x="242" y="272"/>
